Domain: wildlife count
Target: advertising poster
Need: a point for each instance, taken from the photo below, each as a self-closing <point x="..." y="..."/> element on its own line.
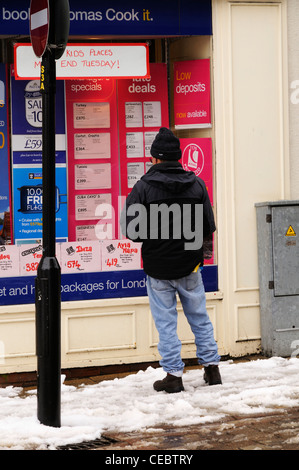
<point x="28" y="204"/>
<point x="197" y="157"/>
<point x="143" y="109"/>
<point x="121" y="255"/>
<point x="93" y="173"/>
<point x="9" y="261"/>
<point x="5" y="203"/>
<point x="192" y="102"/>
<point x="26" y="112"/>
<point x="76" y="257"/>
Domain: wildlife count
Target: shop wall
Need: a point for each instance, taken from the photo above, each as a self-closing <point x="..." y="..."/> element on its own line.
<point x="249" y="134"/>
<point x="293" y="67"/>
<point x="252" y="163"/>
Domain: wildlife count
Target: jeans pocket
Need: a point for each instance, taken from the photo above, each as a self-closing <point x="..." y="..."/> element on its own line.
<point x="192" y="281"/>
<point x="160" y="285"/>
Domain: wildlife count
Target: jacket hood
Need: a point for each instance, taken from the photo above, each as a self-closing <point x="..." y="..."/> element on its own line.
<point x="169" y="176"/>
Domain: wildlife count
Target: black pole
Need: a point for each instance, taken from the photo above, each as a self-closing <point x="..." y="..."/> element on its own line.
<point x="48" y="281"/>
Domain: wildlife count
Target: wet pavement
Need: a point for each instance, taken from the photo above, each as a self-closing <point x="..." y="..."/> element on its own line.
<point x="275" y="431"/>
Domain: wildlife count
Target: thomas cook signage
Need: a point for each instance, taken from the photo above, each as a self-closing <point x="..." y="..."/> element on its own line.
<point x="170" y="17"/>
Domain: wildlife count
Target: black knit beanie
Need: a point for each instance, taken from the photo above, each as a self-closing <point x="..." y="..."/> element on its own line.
<point x="166" y="146"/>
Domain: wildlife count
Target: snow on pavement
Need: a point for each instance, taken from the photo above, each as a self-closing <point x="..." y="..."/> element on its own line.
<point x="131" y="404"/>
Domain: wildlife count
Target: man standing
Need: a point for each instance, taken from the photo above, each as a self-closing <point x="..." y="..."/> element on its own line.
<point x="169" y="211"/>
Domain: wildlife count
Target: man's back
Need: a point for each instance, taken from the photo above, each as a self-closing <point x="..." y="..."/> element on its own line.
<point x="173" y="215"/>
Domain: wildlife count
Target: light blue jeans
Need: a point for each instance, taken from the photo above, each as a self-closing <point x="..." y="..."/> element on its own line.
<point x="162" y="299"/>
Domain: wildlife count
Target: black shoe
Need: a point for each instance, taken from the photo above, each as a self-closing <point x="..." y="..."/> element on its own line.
<point x="170" y="384"/>
<point x="212" y="375"/>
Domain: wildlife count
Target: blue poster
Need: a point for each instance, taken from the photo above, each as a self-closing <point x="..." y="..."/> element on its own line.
<point x="28" y="204"/>
<point x="26" y="143"/>
<point x="26" y="110"/>
<point x="5" y="227"/>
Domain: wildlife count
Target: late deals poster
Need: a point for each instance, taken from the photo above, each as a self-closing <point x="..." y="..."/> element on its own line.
<point x="143" y="109"/>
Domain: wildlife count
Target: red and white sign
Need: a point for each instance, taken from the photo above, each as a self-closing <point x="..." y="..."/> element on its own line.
<point x="192" y="107"/>
<point x="87" y="61"/>
<point x="197" y="157"/>
<point x="39" y="25"/>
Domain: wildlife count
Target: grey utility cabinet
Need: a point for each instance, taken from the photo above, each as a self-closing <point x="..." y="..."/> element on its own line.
<point x="278" y="260"/>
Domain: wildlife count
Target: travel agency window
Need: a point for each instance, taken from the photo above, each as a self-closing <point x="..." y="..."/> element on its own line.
<point x="105" y="125"/>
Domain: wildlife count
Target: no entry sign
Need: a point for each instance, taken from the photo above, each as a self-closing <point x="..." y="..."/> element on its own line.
<point x="39" y="25"/>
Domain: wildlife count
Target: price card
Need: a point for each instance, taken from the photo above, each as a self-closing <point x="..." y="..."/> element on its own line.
<point x="78" y="257"/>
<point x="134" y="172"/>
<point x="152" y="113"/>
<point x="85" y="232"/>
<point x="93" y="145"/>
<point x="133" y="114"/>
<point x="88" y="206"/>
<point x="93" y="176"/>
<point x="91" y="115"/>
<point x="100" y="231"/>
<point x="9" y="261"/>
<point x="134" y="144"/>
<point x="30" y="256"/>
<point x="120" y="255"/>
<point x="148" y="140"/>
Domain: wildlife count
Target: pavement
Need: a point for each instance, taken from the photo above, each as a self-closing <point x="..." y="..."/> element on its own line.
<point x="279" y="431"/>
<point x="273" y="431"/>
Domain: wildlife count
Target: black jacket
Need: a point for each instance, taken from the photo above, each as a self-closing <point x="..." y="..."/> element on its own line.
<point x="168" y="186"/>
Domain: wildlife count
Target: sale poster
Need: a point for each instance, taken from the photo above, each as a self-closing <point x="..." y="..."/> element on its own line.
<point x="26" y="112"/>
<point x="142" y="109"/>
<point x="93" y="170"/>
<point x="192" y="102"/>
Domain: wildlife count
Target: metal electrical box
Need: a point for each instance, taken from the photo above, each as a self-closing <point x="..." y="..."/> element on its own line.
<point x="278" y="259"/>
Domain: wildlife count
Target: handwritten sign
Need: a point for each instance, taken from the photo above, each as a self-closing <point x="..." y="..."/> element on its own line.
<point x="120" y="255"/>
<point x="76" y="257"/>
<point x="87" y="61"/>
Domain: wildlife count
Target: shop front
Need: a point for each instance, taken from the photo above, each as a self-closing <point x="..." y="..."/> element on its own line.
<point x="126" y="72"/>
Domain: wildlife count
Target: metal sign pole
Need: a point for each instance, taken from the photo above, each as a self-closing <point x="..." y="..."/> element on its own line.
<point x="49" y="29"/>
<point x="48" y="281"/>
